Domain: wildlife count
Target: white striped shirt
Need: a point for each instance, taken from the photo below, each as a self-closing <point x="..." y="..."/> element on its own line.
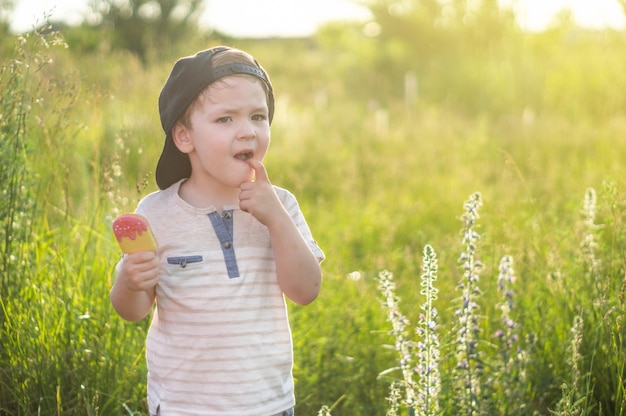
<point x="219" y="342"/>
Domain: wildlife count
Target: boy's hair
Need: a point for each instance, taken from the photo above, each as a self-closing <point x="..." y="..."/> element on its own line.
<point x="191" y="76"/>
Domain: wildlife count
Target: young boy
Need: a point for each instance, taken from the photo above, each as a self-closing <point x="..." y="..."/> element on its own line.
<point x="230" y="247"/>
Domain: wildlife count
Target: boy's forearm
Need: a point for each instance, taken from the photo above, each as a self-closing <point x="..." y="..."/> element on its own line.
<point x="299" y="273"/>
<point x="131" y="305"/>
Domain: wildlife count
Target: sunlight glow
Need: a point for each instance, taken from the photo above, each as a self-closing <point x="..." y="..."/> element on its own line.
<point x="260" y="18"/>
<point x="536" y="15"/>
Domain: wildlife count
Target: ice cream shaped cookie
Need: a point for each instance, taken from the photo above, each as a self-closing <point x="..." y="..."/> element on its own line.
<point x="133" y="233"/>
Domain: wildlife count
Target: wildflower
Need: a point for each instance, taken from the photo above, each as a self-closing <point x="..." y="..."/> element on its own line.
<point x="589" y="243"/>
<point x="506" y="278"/>
<point x="354" y="276"/>
<point x="570" y="402"/>
<point x="398" y="322"/>
<point x="324" y="411"/>
<point x="468" y="362"/>
<point x="428" y="384"/>
<point x="510" y="365"/>
<point x="394" y="400"/>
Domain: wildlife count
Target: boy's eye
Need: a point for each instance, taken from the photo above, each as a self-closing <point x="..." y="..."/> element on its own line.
<point x="224" y="119"/>
<point x="258" y="117"/>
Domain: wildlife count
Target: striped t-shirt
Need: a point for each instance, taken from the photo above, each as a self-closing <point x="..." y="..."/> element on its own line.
<point x="219" y="342"/>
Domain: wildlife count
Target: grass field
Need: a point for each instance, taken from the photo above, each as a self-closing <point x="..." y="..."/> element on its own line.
<point x="488" y="215"/>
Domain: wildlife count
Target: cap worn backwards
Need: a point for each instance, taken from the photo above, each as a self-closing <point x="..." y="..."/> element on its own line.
<point x="190" y="76"/>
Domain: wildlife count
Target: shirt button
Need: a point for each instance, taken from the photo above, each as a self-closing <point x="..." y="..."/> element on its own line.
<point x="227" y="215"/>
<point x="227" y="244"/>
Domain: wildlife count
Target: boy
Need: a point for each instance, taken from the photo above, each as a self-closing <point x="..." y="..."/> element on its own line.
<point x="230" y="247"/>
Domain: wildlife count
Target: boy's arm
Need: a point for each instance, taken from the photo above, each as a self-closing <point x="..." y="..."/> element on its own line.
<point x="298" y="270"/>
<point x="133" y="291"/>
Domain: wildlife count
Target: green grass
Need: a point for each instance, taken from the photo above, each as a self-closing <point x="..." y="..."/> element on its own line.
<point x="80" y="138"/>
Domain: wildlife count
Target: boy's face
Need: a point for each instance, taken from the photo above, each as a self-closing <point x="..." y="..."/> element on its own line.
<point x="228" y="125"/>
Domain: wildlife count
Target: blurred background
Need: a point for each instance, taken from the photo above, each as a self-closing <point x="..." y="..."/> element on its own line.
<point x="389" y="114"/>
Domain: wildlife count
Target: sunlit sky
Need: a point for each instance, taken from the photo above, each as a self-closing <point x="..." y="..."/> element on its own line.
<point x="257" y="18"/>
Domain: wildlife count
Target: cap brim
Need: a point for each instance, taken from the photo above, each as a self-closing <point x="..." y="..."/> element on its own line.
<point x="173" y="165"/>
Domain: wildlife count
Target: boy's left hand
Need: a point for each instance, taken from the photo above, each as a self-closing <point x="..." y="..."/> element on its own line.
<point x="258" y="197"/>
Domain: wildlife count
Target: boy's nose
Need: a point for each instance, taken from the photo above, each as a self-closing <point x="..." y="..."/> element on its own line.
<point x="246" y="131"/>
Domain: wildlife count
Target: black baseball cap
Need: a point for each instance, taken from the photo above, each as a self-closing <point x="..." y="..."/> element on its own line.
<point x="190" y="76"/>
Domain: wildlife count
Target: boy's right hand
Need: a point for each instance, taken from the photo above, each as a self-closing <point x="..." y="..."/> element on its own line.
<point x="139" y="271"/>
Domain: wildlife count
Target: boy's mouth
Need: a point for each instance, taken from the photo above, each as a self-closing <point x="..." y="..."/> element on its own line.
<point x="244" y="155"/>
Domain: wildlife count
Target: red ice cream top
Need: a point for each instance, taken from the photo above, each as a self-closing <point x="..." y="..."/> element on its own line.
<point x="129" y="226"/>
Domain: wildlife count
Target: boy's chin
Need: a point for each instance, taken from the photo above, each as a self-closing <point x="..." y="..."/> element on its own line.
<point x="242" y="179"/>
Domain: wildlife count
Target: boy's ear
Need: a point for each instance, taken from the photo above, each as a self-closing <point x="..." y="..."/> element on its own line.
<point x="181" y="137"/>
